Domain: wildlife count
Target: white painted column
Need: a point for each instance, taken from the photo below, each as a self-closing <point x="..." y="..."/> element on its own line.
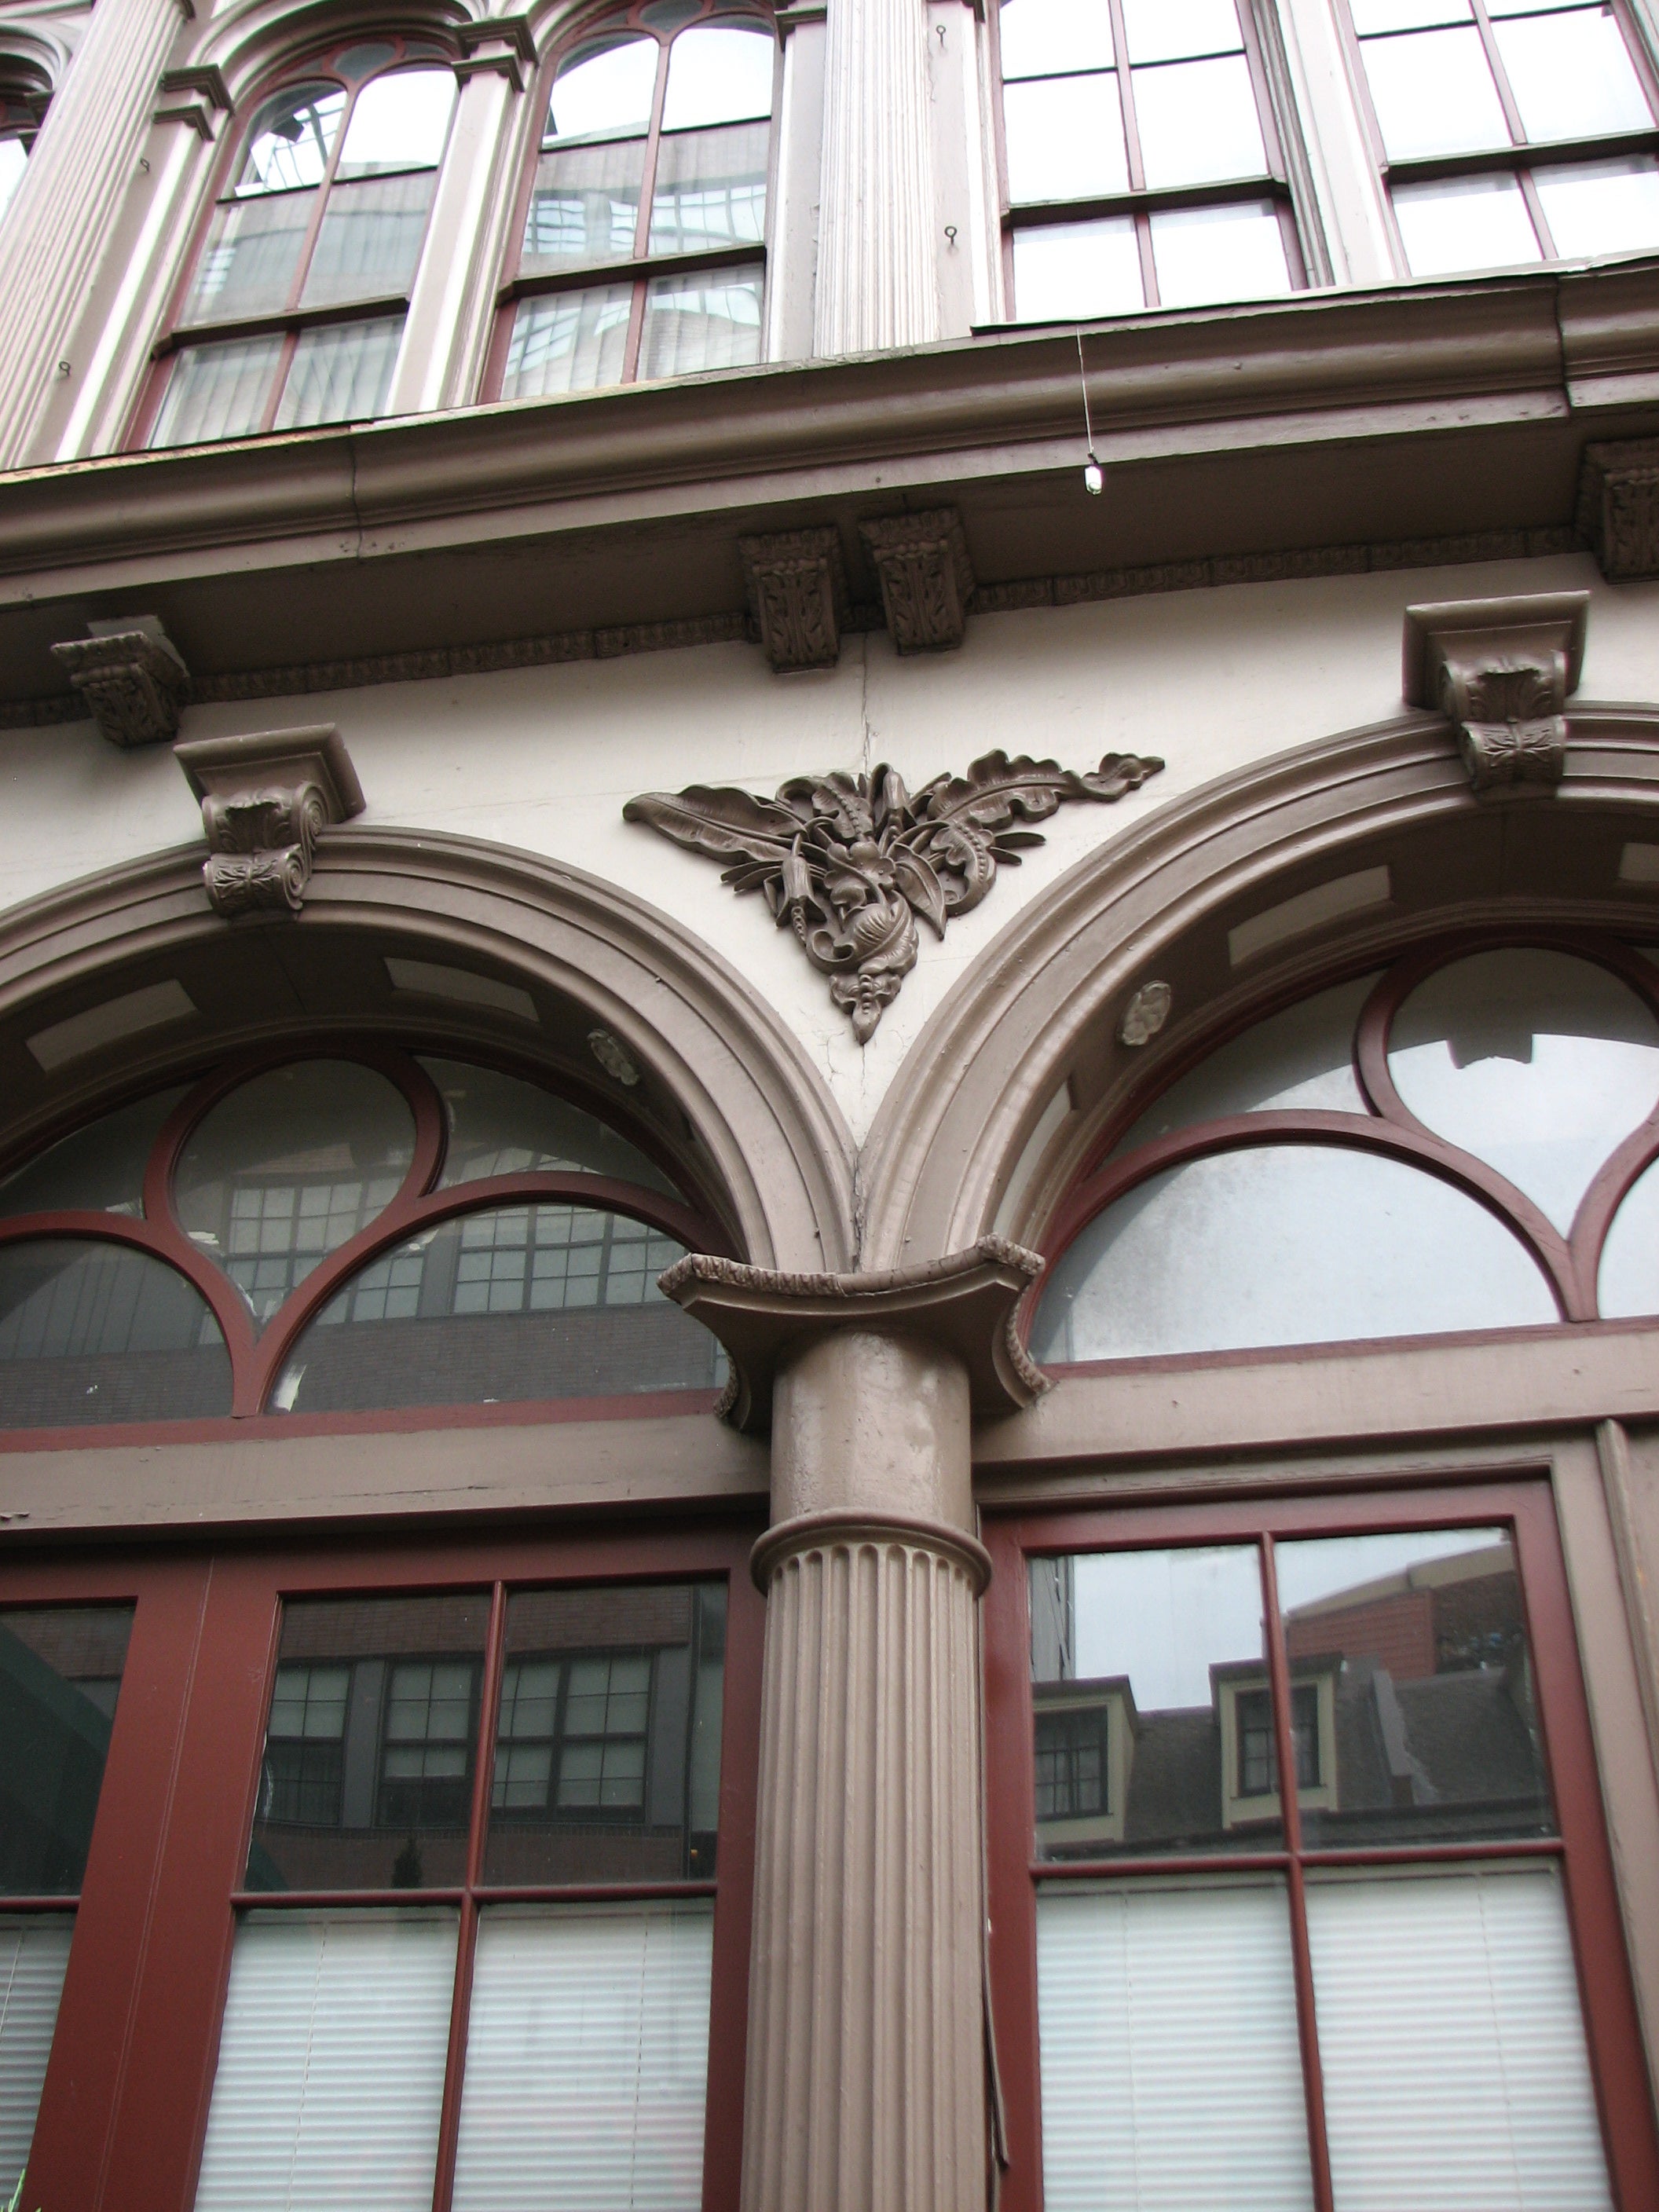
<point x="878" y="282"/>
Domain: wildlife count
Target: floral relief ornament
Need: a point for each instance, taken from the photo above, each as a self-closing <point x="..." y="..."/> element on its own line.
<point x="850" y="862"/>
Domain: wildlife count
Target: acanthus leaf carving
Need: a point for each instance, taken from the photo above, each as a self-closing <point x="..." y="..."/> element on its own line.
<point x="266" y="799"/>
<point x="796" y="583"/>
<point x="926" y="578"/>
<point x="133" y="682"/>
<point x="1500" y="671"/>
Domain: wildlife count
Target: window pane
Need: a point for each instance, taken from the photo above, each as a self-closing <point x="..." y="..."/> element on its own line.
<point x="1464" y="222"/>
<point x="1416" y="1647"/>
<point x="100" y="1167"/>
<point x="13" y="160"/>
<point x="1039" y="35"/>
<point x="1630" y="1257"/>
<point x="570" y="342"/>
<point x="1434" y="94"/>
<point x="1611" y="207"/>
<point x="1534" y="1061"/>
<point x="1140" y="1664"/>
<point x="498" y="1125"/>
<point x="718" y="74"/>
<point x="217" y="391"/>
<point x="330" y="2073"/>
<point x="251" y="256"/>
<point x="697" y="323"/>
<point x="608" y="90"/>
<point x="1064" y="139"/>
<point x="1198" y="122"/>
<point x="711" y="190"/>
<point x="93" y="1333"/>
<point x="1205" y="255"/>
<point x="366" y="1781"/>
<point x="585" y="205"/>
<point x="1165" y="30"/>
<point x="587" y="2059"/>
<point x="1284" y="1245"/>
<point x="1571" y="74"/>
<point x="400" y="122"/>
<point x="60" y="1673"/>
<point x="1451" y="1996"/>
<point x="1072" y="272"/>
<point x="1407" y="15"/>
<point x="291" y="138"/>
<point x="34" y="1954"/>
<point x="341" y="373"/>
<point x="368" y="246"/>
<point x="1170" y="2068"/>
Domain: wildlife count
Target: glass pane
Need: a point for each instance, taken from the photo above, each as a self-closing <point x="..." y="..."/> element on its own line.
<point x="719" y="73"/>
<point x="1464" y="222"/>
<point x="1434" y="94"/>
<point x="1630" y="1257"/>
<point x="13" y="160"/>
<point x="1170" y="2068"/>
<point x="400" y="122"/>
<point x="587" y="2058"/>
<point x="1608" y="207"/>
<point x="585" y="205"/>
<point x="1414" y="1649"/>
<point x="358" y="61"/>
<point x="1146" y="1671"/>
<point x="1064" y="139"/>
<point x="608" y="90"/>
<point x="217" y="391"/>
<point x="93" y="1333"/>
<point x="1535" y="1061"/>
<point x="367" y="1778"/>
<point x="1198" y="122"/>
<point x="501" y="1126"/>
<point x="1284" y="1245"/>
<point x="1571" y="74"/>
<point x="1451" y="1996"/>
<point x="251" y="256"/>
<point x="341" y="374"/>
<point x="330" y="2082"/>
<point x="34" y="1953"/>
<point x="60" y="1673"/>
<point x="570" y="342"/>
<point x="523" y="1302"/>
<point x="367" y="247"/>
<point x="1205" y="255"/>
<point x="291" y="138"/>
<point x="697" y="323"/>
<point x="1407" y="15"/>
<point x="1072" y="272"/>
<point x="1041" y="35"/>
<point x="607" y="1752"/>
<point x="1166" y="30"/>
<point x="711" y="190"/>
<point x="100" y="1168"/>
<point x="287" y="1168"/>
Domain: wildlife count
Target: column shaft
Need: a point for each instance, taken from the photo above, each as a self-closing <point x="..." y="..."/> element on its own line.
<point x="877" y="284"/>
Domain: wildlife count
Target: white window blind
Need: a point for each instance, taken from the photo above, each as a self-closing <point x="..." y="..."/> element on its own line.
<point x="1172" y="2077"/>
<point x="33" y="1958"/>
<point x="587" y="2060"/>
<point x="1452" y="2044"/>
<point x="332" y="2055"/>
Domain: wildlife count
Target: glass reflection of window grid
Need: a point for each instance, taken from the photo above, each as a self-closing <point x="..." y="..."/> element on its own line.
<point x="1258" y="1756"/>
<point x="280" y="1231"/>
<point x="1071" y="1766"/>
<point x="548" y="1259"/>
<point x="526" y="1735"/>
<point x="428" y="1752"/>
<point x="607" y="1708"/>
<point x="304" y="1745"/>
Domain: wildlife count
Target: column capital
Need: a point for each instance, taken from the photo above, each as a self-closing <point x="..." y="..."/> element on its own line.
<point x="848" y="1529"/>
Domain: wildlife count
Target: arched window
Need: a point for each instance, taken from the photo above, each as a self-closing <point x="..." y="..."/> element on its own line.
<point x="1511" y="131"/>
<point x="292" y="308"/>
<point x="347" y="1232"/>
<point x="25" y="90"/>
<point x="1141" y="165"/>
<point x="1466" y="1141"/>
<point x="642" y="247"/>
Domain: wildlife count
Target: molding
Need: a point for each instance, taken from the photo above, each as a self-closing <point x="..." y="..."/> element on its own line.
<point x="796" y="584"/>
<point x="1619" y="507"/>
<point x="265" y="800"/>
<point x="1500" y="671"/>
<point x="194" y="96"/>
<point x="963" y="1304"/>
<point x="787" y="1539"/>
<point x="926" y="577"/>
<point x="134" y="683"/>
<point x="501" y="45"/>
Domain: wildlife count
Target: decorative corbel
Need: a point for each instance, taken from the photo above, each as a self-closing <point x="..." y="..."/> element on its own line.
<point x="501" y="45"/>
<point x="265" y="799"/>
<point x="925" y="576"/>
<point x="1619" y="507"/>
<point x="1500" y="671"/>
<point x="132" y="677"/>
<point x="796" y="582"/>
<point x="194" y="96"/>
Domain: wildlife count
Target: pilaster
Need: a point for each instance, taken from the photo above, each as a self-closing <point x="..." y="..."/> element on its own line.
<point x="876" y="282"/>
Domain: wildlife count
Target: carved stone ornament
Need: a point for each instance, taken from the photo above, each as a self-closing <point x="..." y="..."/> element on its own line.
<point x="926" y="578"/>
<point x="265" y="798"/>
<point x="1618" y="507"/>
<point x="1145" y="1013"/>
<point x="850" y="862"/>
<point x="133" y="682"/>
<point x="796" y="583"/>
<point x="1500" y="671"/>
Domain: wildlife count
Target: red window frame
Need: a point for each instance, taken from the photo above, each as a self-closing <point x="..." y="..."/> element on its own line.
<point x="1581" y="1848"/>
<point x="131" y="2073"/>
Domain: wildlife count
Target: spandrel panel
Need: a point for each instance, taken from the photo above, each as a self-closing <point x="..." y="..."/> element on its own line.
<point x="60" y="1676"/>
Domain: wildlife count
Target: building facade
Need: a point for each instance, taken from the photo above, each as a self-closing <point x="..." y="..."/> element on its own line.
<point x="829" y="1084"/>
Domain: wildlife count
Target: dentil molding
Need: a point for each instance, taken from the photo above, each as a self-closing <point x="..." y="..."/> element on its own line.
<point x="1500" y="671"/>
<point x="265" y="798"/>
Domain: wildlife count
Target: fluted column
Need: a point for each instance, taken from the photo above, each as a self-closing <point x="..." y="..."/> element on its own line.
<point x="877" y="282"/>
<point x="60" y="222"/>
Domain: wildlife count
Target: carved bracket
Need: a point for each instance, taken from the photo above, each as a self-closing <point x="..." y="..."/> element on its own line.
<point x="195" y="96"/>
<point x="501" y="45"/>
<point x="1619" y="507"/>
<point x="926" y="578"/>
<point x="851" y="862"/>
<point x="1500" y="671"/>
<point x="265" y="799"/>
<point x="133" y="681"/>
<point x="796" y="583"/>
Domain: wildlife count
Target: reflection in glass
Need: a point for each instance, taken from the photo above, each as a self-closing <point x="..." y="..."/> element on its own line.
<point x="697" y="323"/>
<point x="1534" y="1061"/>
<point x="719" y="73"/>
<point x="1167" y="30"/>
<point x="1065" y="138"/>
<point x="1143" y="1667"/>
<point x="1284" y="1245"/>
<point x="400" y="122"/>
<point x="1041" y="35"/>
<point x="60" y="1674"/>
<point x="369" y="244"/>
<point x="248" y="262"/>
<point x="14" y="160"/>
<point x="100" y="1168"/>
<point x="607" y="1746"/>
<point x="1571" y="74"/>
<point x="498" y="1125"/>
<point x="291" y="139"/>
<point x="1071" y="272"/>
<point x="93" y="1333"/>
<point x="568" y="342"/>
<point x="1208" y="254"/>
<point x="1414" y="1647"/>
<point x="217" y="391"/>
<point x="1629" y="1281"/>
<point x="711" y="190"/>
<point x="585" y="205"/>
<point x="367" y="1778"/>
<point x="1434" y="94"/>
<point x="1198" y="122"/>
<point x="1460" y="223"/>
<point x="34" y="1953"/>
<point x="610" y="90"/>
<point x="341" y="373"/>
<point x="1407" y="15"/>
<point x="1602" y="207"/>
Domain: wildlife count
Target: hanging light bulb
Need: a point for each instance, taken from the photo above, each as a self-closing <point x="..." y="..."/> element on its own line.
<point x="1094" y="477"/>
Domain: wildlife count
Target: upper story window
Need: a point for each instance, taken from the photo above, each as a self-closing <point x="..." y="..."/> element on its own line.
<point x="1511" y="131"/>
<point x="1141" y="164"/>
<point x="292" y="309"/>
<point x="18" y="124"/>
<point x="643" y="249"/>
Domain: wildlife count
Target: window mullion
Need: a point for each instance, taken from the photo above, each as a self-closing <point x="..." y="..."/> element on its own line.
<point x="1500" y="75"/>
<point x="325" y="185"/>
<point x="1127" y="100"/>
<point x="1540" y="222"/>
